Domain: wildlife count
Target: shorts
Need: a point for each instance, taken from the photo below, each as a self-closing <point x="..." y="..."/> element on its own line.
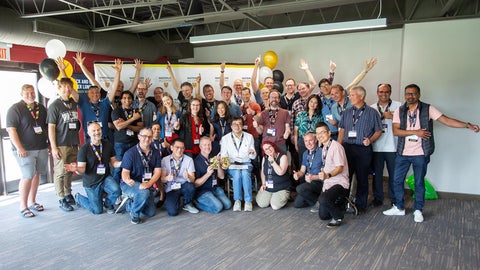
<point x="35" y="162"/>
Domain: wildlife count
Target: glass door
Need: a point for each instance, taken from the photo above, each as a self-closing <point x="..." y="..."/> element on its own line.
<point x="12" y="82"/>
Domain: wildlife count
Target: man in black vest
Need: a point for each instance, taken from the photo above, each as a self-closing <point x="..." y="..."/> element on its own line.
<point x="413" y="124"/>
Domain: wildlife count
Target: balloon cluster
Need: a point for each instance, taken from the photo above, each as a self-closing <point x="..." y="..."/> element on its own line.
<point x="47" y="85"/>
<point x="270" y="60"/>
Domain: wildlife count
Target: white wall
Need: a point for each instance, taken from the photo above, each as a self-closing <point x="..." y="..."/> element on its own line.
<point x="441" y="57"/>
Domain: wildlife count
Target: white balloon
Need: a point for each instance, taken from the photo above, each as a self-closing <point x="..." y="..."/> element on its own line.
<point x="47" y="88"/>
<point x="264" y="72"/>
<point x="55" y="48"/>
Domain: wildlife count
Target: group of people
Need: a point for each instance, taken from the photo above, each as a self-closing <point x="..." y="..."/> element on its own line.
<point x="144" y="152"/>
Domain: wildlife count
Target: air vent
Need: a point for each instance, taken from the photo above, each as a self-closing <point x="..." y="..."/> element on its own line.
<point x="60" y="30"/>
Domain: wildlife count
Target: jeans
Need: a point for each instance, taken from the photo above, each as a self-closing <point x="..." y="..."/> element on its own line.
<point x="172" y="198"/>
<point x="213" y="202"/>
<point x="93" y="202"/>
<point x="242" y="183"/>
<point x="402" y="164"/>
<point x="301" y="149"/>
<point x="379" y="159"/>
<point x="120" y="149"/>
<point x="308" y="193"/>
<point x="359" y="158"/>
<point x="141" y="200"/>
<point x="331" y="203"/>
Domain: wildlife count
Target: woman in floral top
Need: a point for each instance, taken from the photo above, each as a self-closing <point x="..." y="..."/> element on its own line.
<point x="306" y="122"/>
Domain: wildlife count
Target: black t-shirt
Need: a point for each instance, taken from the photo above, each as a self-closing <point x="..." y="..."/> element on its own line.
<point x="87" y="154"/>
<point x="201" y="166"/>
<point x="64" y="115"/>
<point x="124" y="135"/>
<point x="24" y="120"/>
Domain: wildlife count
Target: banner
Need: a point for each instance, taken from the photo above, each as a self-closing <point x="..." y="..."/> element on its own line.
<point x="158" y="73"/>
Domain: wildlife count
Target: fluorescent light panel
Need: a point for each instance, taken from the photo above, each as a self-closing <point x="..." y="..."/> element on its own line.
<point x="292" y="31"/>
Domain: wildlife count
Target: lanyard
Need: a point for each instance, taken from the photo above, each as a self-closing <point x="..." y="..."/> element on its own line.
<point x="386" y="109"/>
<point x="342" y="108"/>
<point x="270" y="167"/>
<point x="96" y="110"/>
<point x="128" y="113"/>
<point x="272" y="115"/>
<point x="174" y="166"/>
<point x="145" y="159"/>
<point x="68" y="105"/>
<point x="223" y="124"/>
<point x="235" y="143"/>
<point x="355" y="120"/>
<point x="169" y="121"/>
<point x="324" y="101"/>
<point x="324" y="153"/>
<point x="214" y="174"/>
<point x="310" y="161"/>
<point x="140" y="108"/>
<point x="35" y="111"/>
<point x="98" y="154"/>
<point x="412" y="117"/>
<point x="238" y="98"/>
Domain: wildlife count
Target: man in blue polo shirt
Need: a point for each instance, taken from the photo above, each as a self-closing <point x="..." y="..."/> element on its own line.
<point x="310" y="190"/>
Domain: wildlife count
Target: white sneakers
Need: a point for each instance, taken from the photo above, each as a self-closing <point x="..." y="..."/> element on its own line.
<point x="248" y="207"/>
<point x="394" y="211"/>
<point x="237" y="206"/>
<point x="418" y="216"/>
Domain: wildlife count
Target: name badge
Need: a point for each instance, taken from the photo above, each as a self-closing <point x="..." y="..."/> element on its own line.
<point x="176" y="185"/>
<point x="238" y="167"/>
<point x="245" y="127"/>
<point x="72" y="125"/>
<point x="101" y="169"/>
<point x="214" y="182"/>
<point x="412" y="138"/>
<point x="196" y="141"/>
<point x="352" y="134"/>
<point x="168" y="134"/>
<point x="147" y="176"/>
<point x="270" y="184"/>
<point x="385" y="128"/>
<point x="271" y="132"/>
<point x="329" y="116"/>
<point x="38" y="129"/>
<point x="130" y="132"/>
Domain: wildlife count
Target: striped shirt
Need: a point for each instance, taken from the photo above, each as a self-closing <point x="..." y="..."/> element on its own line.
<point x="364" y="121"/>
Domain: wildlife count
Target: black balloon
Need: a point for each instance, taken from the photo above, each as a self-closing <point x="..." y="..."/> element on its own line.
<point x="278" y="75"/>
<point x="49" y="69"/>
<point x="277" y="85"/>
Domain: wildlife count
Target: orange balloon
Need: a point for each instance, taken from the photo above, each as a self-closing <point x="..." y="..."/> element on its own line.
<point x="270" y="59"/>
<point x="68" y="69"/>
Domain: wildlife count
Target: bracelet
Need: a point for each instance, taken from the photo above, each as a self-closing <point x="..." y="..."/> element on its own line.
<point x="329" y="175"/>
<point x="222" y="71"/>
<point x="468" y="125"/>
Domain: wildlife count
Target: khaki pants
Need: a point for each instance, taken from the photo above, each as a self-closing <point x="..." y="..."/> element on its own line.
<point x="275" y="199"/>
<point x="62" y="178"/>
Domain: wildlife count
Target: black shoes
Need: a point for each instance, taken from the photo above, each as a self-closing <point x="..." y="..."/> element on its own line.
<point x="65" y="206"/>
<point x="70" y="200"/>
<point x="376" y="203"/>
<point x="136" y="220"/>
<point x="334" y="223"/>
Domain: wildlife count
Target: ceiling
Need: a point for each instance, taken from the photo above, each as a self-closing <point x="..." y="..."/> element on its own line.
<point x="173" y="22"/>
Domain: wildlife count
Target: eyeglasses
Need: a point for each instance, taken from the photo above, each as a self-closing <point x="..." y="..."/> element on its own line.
<point x="290" y="85"/>
<point x="411" y="94"/>
<point x="383" y="92"/>
<point x="141" y="88"/>
<point x="322" y="132"/>
<point x="145" y="136"/>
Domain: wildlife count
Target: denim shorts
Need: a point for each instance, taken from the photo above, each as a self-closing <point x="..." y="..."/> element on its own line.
<point x="35" y="162"/>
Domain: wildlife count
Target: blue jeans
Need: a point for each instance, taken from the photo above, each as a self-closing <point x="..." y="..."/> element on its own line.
<point x="93" y="202"/>
<point x="402" y="164"/>
<point x="379" y="159"/>
<point x="172" y="198"/>
<point x="213" y="202"/>
<point x="242" y="183"/>
<point x="120" y="149"/>
<point x="141" y="200"/>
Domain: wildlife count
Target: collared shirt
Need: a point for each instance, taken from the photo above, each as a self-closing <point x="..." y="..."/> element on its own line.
<point x="297" y="107"/>
<point x="387" y="142"/>
<point x="337" y="110"/>
<point x="363" y="121"/>
<point x="186" y="165"/>
<point x="133" y="162"/>
<point x="327" y="109"/>
<point x="306" y="124"/>
<point x="312" y="160"/>
<point x="237" y="148"/>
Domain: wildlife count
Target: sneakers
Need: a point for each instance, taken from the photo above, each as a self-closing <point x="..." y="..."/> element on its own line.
<point x="351" y="208"/>
<point x="136" y="220"/>
<point x="110" y="209"/>
<point x="334" y="223"/>
<point x="123" y="205"/>
<point x="315" y="208"/>
<point x="190" y="208"/>
<point x="65" y="206"/>
<point x="248" y="207"/>
<point x="394" y="211"/>
<point x="237" y="206"/>
<point x="70" y="200"/>
<point x="76" y="199"/>
<point x="417" y="216"/>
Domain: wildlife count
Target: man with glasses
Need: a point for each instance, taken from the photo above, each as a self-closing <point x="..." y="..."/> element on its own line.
<point x="146" y="108"/>
<point x="178" y="173"/>
<point x="385" y="147"/>
<point x="413" y="124"/>
<point x="93" y="163"/>
<point x="157" y="97"/>
<point x="274" y="123"/>
<point x="141" y="168"/>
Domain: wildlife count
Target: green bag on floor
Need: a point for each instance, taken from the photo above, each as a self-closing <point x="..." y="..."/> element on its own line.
<point x="430" y="193"/>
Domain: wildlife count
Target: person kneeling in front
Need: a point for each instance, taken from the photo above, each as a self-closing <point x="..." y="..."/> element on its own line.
<point x="275" y="189"/>
<point x="141" y="168"/>
<point x="210" y="197"/>
<point x="178" y="172"/>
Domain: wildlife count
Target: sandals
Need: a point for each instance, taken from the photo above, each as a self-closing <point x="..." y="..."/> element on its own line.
<point x="26" y="213"/>
<point x="36" y="207"/>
